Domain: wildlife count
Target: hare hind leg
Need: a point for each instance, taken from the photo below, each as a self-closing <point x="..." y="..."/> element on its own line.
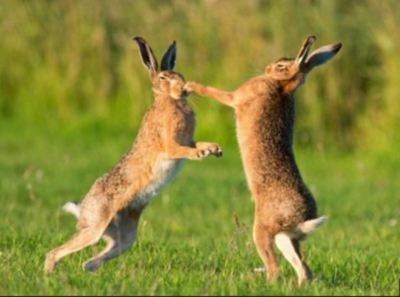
<point x="264" y="242"/>
<point x="119" y="236"/>
<point x="91" y="226"/>
<point x="290" y="249"/>
<point x="84" y="238"/>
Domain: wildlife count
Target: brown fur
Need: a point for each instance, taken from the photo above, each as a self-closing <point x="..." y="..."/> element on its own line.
<point x="113" y="206"/>
<point x="265" y="112"/>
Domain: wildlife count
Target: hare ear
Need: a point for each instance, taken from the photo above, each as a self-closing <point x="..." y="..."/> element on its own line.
<point x="168" y="59"/>
<point x="305" y="49"/>
<point x="146" y="53"/>
<point x="322" y="55"/>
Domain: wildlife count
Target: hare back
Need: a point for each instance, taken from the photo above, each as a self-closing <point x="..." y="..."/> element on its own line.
<point x="284" y="208"/>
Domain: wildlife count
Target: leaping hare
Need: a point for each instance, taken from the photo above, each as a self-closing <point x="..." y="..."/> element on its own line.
<point x="113" y="206"/>
<point x="285" y="210"/>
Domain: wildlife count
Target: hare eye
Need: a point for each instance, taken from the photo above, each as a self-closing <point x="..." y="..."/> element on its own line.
<point x="163" y="78"/>
<point x="280" y="66"/>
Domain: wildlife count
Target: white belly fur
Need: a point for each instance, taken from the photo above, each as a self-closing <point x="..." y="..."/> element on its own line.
<point x="164" y="172"/>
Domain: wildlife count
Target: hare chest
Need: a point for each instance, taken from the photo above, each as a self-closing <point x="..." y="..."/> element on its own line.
<point x="164" y="172"/>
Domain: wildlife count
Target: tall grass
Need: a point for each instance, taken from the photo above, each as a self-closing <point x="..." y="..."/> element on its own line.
<point x="67" y="61"/>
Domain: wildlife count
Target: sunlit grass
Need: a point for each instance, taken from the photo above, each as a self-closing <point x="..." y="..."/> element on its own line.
<point x="189" y="241"/>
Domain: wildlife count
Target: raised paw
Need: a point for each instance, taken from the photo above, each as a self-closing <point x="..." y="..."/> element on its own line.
<point x="201" y="154"/>
<point x="215" y="150"/>
<point x="189" y="86"/>
<point x="212" y="149"/>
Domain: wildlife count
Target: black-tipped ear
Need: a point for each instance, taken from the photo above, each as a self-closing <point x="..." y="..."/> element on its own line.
<point x="169" y="58"/>
<point x="305" y="49"/>
<point x="146" y="53"/>
<point x="322" y="55"/>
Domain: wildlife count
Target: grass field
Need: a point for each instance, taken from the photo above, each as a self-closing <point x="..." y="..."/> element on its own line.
<point x="189" y="242"/>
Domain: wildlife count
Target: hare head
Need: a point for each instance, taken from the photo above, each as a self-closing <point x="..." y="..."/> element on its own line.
<point x="165" y="81"/>
<point x="291" y="73"/>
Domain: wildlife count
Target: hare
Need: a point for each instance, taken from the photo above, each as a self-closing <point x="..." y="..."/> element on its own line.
<point x="112" y="207"/>
<point x="285" y="210"/>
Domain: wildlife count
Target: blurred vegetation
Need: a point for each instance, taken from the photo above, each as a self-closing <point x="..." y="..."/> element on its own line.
<point x="74" y="62"/>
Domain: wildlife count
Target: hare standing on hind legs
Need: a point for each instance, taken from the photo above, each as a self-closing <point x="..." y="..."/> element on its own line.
<point x="285" y="210"/>
<point x="113" y="206"/>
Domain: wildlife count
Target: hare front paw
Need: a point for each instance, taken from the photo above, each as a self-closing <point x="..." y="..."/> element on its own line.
<point x="189" y="86"/>
<point x="215" y="150"/>
<point x="202" y="154"/>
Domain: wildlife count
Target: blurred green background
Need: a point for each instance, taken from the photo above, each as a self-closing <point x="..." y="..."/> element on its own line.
<point x="73" y="63"/>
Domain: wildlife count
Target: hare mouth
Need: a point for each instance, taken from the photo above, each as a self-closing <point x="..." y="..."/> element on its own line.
<point x="179" y="95"/>
<point x="176" y="97"/>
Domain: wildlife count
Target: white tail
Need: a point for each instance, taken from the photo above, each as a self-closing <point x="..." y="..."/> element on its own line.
<point x="72" y="208"/>
<point x="311" y="225"/>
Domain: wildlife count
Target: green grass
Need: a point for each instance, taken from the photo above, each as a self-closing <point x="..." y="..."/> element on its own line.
<point x="189" y="243"/>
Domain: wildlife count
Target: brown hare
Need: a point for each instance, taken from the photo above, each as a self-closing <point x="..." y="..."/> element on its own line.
<point x="113" y="206"/>
<point x="285" y="210"/>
